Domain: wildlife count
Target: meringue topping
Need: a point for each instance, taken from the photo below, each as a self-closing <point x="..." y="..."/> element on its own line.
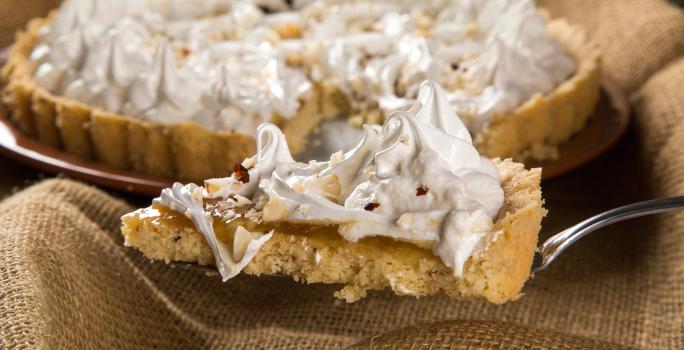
<point x="223" y="63"/>
<point x="417" y="178"/>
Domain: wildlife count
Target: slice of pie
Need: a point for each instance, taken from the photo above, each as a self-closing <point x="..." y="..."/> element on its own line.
<point x="413" y="207"/>
<point x="178" y="88"/>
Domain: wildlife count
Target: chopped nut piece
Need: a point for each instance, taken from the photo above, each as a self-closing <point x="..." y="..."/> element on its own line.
<point x="471" y="30"/>
<point x="299" y="187"/>
<point x="336" y="158"/>
<point x="275" y="209"/>
<point x="196" y="194"/>
<point x="374" y="116"/>
<point x="289" y="30"/>
<point x="330" y="187"/>
<point x="213" y="185"/>
<point x="422" y="20"/>
<point x="294" y="59"/>
<point x="248" y="163"/>
<point x="405" y="220"/>
<point x="240" y="173"/>
<point x="228" y="215"/>
<point x="422" y="190"/>
<point x="371" y="206"/>
<point x="251" y="214"/>
<point x="242" y="201"/>
<point x="369" y="172"/>
<point x="240" y="243"/>
<point x="356" y="120"/>
<point x="226" y="204"/>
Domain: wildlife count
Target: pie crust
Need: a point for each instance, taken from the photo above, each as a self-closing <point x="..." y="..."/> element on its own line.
<point x="320" y="255"/>
<point x="192" y="152"/>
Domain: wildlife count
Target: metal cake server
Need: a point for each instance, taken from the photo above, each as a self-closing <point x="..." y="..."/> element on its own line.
<point x="548" y="251"/>
<point x="554" y="246"/>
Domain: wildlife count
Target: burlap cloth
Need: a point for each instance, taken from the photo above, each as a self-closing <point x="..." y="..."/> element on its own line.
<point x="67" y="281"/>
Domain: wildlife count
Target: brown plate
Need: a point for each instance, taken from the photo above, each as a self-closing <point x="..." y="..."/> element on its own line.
<point x="604" y="129"/>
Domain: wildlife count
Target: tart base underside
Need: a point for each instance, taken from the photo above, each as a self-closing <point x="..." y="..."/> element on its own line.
<point x="320" y="255"/>
<point x="190" y="151"/>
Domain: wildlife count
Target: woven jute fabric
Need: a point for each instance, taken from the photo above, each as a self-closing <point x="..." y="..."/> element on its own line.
<point x="66" y="281"/>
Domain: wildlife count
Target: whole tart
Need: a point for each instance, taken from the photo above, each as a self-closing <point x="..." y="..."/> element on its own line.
<point x="175" y="89"/>
<point x="413" y="208"/>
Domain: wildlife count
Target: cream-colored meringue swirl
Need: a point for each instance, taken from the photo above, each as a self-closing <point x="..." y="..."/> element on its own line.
<point x="223" y="65"/>
<point x="167" y="61"/>
<point x="417" y="178"/>
<point x="252" y="86"/>
<point x="163" y="94"/>
<point x="490" y="56"/>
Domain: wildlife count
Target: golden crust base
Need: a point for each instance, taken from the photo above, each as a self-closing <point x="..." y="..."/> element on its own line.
<point x="322" y="256"/>
<point x="190" y="151"/>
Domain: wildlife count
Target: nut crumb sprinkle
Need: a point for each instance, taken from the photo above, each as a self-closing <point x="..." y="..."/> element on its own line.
<point x="240" y="173"/>
<point x="371" y="206"/>
<point x="422" y="190"/>
<point x="248" y="163"/>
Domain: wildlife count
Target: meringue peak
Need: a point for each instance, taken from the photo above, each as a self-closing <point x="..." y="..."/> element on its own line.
<point x="367" y="191"/>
